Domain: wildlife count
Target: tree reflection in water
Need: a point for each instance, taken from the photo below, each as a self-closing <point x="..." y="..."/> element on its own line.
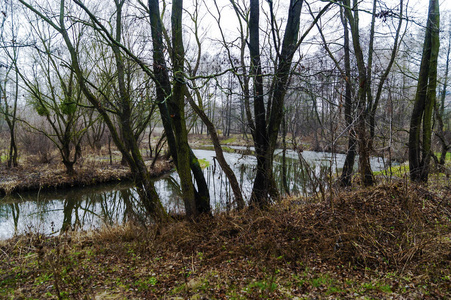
<point x="109" y="204"/>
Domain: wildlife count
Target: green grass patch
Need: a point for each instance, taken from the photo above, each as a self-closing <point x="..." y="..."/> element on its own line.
<point x="204" y="163"/>
<point x="398" y="171"/>
<point x="224" y="148"/>
<point x="376" y="286"/>
<point x="229" y="141"/>
<point x="447" y="157"/>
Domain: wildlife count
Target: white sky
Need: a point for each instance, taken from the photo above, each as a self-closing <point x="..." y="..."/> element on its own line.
<point x="417" y="12"/>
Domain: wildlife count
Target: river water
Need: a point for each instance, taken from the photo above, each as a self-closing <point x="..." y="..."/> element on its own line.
<point x="108" y="204"/>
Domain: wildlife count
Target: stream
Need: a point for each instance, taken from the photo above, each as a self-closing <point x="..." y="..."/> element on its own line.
<point x="86" y="208"/>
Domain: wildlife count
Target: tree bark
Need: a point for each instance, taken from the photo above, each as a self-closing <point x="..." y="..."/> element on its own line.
<point x="348" y="167"/>
<point x="363" y="138"/>
<point x="421" y="119"/>
<point x="440" y="110"/>
<point x="219" y="153"/>
<point x="266" y="131"/>
<point x="259" y="195"/>
<point x="170" y="114"/>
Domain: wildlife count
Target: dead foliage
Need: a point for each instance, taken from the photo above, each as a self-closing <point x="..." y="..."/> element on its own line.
<point x="390" y="227"/>
<point x="390" y="241"/>
<point x="35" y="176"/>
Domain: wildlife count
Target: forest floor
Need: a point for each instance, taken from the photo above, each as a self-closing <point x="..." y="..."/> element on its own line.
<point x="392" y="241"/>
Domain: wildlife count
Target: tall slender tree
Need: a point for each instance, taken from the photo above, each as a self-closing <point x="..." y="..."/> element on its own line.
<point x="9" y="85"/>
<point x="439" y="107"/>
<point x="268" y="115"/>
<point x="421" y="120"/>
<point x="366" y="101"/>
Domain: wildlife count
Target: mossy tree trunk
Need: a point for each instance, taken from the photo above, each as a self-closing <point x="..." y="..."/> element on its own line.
<point x="425" y="97"/>
<point x="177" y="107"/>
<point x="172" y="110"/>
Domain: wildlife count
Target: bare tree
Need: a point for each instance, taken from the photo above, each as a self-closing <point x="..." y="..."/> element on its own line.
<point x="123" y="136"/>
<point x="9" y="85"/>
<point x="439" y="107"/>
<point x="366" y="101"/>
<point x="421" y="120"/>
<point x="268" y="116"/>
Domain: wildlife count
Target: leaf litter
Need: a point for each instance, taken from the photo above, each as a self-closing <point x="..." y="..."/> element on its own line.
<point x="392" y="241"/>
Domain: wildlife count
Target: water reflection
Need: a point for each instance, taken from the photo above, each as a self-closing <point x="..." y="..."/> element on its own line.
<point x="108" y="204"/>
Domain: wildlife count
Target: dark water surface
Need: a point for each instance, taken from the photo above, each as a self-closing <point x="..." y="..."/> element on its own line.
<point x="107" y="204"/>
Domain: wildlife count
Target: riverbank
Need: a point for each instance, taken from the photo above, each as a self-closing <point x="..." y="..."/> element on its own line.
<point x="391" y="241"/>
<point x="52" y="176"/>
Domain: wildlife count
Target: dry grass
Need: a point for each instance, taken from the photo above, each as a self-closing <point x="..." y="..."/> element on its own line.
<point x="390" y="241"/>
<point x="388" y="227"/>
<point x="31" y="175"/>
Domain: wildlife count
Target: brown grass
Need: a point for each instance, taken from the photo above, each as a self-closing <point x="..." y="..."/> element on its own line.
<point x="31" y="175"/>
<point x="373" y="242"/>
<point x="388" y="227"/>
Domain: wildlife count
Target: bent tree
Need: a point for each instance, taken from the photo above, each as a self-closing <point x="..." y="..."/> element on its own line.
<point x="421" y="121"/>
<point x="169" y="98"/>
<point x="129" y="147"/>
<point x="198" y="108"/>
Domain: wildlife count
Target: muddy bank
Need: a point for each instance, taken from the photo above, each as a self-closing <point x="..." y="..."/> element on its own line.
<point x="53" y="176"/>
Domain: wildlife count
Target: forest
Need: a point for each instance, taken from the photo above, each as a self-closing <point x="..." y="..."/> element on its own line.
<point x="225" y="149"/>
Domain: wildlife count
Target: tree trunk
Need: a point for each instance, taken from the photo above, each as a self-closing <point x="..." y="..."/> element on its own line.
<point x="172" y="114"/>
<point x="69" y="167"/>
<point x="348" y="167"/>
<point x="12" y="157"/>
<point x="176" y="107"/>
<point x="284" y="159"/>
<point x="259" y="195"/>
<point x="363" y="138"/>
<point x="419" y="157"/>
<point x="266" y="131"/>
<point x="440" y="111"/>
<point x="219" y="153"/>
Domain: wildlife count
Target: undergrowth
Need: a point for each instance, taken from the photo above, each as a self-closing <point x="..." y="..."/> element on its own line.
<point x="390" y="241"/>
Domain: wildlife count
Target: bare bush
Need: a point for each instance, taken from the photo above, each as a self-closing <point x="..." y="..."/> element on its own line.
<point x="36" y="143"/>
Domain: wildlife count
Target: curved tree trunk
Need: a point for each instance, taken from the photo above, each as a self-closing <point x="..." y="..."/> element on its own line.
<point x="219" y="153"/>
